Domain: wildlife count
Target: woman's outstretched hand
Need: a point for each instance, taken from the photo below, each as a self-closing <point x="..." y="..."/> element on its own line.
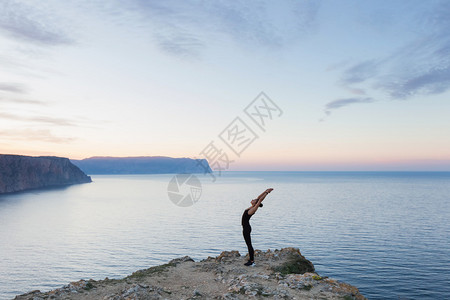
<point x="269" y="190"/>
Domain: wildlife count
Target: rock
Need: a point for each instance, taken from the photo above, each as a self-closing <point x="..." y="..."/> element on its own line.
<point x="228" y="255"/>
<point x="230" y="296"/>
<point x="221" y="277"/>
<point x="20" y="173"/>
<point x="293" y="261"/>
<point x="180" y="260"/>
<point x="30" y="295"/>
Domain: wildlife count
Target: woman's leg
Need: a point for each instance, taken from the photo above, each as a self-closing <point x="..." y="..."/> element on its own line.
<point x="248" y="241"/>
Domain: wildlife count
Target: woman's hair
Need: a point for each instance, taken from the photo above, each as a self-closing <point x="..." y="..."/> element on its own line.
<point x="260" y="205"/>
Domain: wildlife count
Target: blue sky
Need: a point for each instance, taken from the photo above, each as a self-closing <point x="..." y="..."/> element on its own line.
<point x="363" y="85"/>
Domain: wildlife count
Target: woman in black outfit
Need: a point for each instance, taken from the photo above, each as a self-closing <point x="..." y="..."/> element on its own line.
<point x="247" y="229"/>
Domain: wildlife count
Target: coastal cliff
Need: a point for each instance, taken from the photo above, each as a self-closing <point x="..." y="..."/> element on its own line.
<point x="142" y="165"/>
<point x="278" y="274"/>
<point x="19" y="173"/>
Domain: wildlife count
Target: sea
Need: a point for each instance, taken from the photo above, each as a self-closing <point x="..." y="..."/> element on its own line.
<point x="387" y="233"/>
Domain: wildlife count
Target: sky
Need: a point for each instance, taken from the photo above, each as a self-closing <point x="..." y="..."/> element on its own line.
<point x="347" y="86"/>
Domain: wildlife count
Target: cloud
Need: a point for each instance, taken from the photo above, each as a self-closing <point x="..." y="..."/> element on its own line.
<point x="13" y="87"/>
<point x="356" y="91"/>
<point x="179" y="28"/>
<point x="180" y="44"/>
<point x="428" y="82"/>
<point x="22" y="101"/>
<point x="30" y="24"/>
<point x="186" y="28"/>
<point x="339" y="103"/>
<point x="37" y="119"/>
<point x="360" y="72"/>
<point x="34" y="135"/>
<point x="51" y="120"/>
<point x="18" y="65"/>
<point x="419" y="67"/>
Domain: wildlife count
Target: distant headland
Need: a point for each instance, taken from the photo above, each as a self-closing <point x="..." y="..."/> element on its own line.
<point x="20" y="173"/>
<point x="142" y="165"/>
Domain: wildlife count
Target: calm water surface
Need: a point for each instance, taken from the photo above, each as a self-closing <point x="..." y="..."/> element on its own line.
<point x="386" y="233"/>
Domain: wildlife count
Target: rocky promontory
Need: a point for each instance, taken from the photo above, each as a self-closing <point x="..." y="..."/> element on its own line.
<point x="19" y="173"/>
<point x="278" y="274"/>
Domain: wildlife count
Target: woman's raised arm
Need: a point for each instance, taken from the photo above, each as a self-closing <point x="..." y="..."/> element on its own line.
<point x="260" y="198"/>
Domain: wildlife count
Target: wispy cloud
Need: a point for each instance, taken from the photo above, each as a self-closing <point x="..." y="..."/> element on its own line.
<point x="28" y="24"/>
<point x="339" y="103"/>
<point x="13" y="87"/>
<point x="22" y="101"/>
<point x="185" y="28"/>
<point x="357" y="91"/>
<point x="419" y="67"/>
<point x="180" y="44"/>
<point x="360" y="72"/>
<point x="179" y="28"/>
<point x="42" y="135"/>
<point x="37" y="119"/>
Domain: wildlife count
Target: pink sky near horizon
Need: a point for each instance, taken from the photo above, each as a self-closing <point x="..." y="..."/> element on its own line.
<point x="295" y="164"/>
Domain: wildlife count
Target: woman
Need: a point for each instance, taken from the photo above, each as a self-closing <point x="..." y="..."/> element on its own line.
<point x="248" y="213"/>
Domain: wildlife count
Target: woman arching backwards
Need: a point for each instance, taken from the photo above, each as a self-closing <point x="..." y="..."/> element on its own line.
<point x="247" y="229"/>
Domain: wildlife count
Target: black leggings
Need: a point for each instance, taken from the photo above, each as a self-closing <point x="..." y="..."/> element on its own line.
<point x="248" y="241"/>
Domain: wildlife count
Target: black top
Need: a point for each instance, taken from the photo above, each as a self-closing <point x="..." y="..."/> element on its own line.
<point x="246" y="218"/>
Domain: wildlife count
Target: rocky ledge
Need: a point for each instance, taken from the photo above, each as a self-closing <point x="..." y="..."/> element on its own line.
<point x="19" y="173"/>
<point x="279" y="274"/>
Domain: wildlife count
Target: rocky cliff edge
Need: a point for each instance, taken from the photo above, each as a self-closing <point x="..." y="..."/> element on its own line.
<point x="279" y="274"/>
